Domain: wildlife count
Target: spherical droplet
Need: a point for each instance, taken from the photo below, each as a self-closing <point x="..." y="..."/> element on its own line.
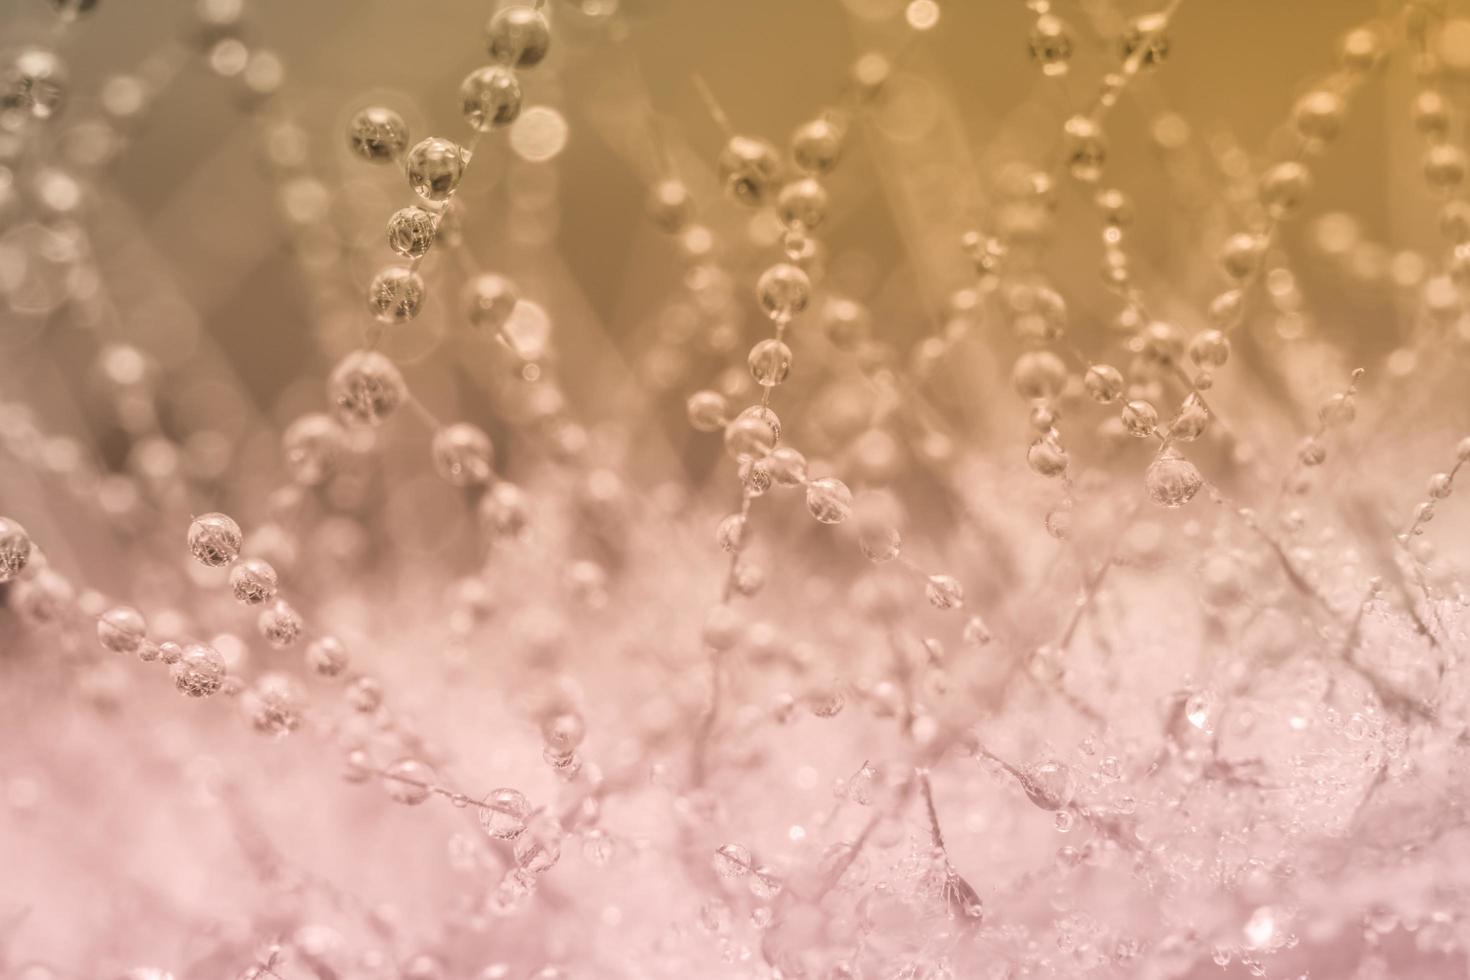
<point x="214" y="540"/>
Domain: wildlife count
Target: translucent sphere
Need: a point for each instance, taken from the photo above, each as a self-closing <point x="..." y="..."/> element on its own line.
<point x="538" y="849"/>
<point x="434" y="167"/>
<point x="489" y="301"/>
<point x="670" y="206"/>
<point x="365" y="388"/>
<point x="749" y="169"/>
<point x="15" y="549"/>
<point x="42" y="598"/>
<point x="199" y="671"/>
<point x="490" y="98"/>
<point x="816" y="146"/>
<point x="280" y="624"/>
<point x="751" y="436"/>
<point x="1318" y="115"/>
<point x="463" y="455"/>
<point x="377" y="134"/>
<point x="1209" y="349"/>
<point x="879" y="542"/>
<point x="1051" y="45"/>
<point x="1140" y="418"/>
<point x="1284" y="189"/>
<point x="312" y="445"/>
<point x="944" y="592"/>
<point x="829" y="500"/>
<point x="1172" y="480"/>
<point x="1047" y="458"/>
<point x="1444" y="166"/>
<point x="408" y="781"/>
<point x="326" y="657"/>
<point x="770" y="363"/>
<point x="411" y="231"/>
<point x="1144" y="40"/>
<point x="784" y="291"/>
<point x="274" y="704"/>
<point x="1085" y="149"/>
<point x="253" y="581"/>
<point x="518" y="36"/>
<point x="1039" y="375"/>
<point x="395" y="295"/>
<point x="121" y="630"/>
<point x="504" y="813"/>
<point x="707" y="411"/>
<point x="786" y="466"/>
<point x="33" y="81"/>
<point x="214" y="540"/>
<point x="1241" y="255"/>
<point x="1104" y="383"/>
<point x="802" y="203"/>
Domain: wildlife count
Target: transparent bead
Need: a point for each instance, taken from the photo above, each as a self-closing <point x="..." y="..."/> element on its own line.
<point x="1241" y="255"/>
<point x="707" y="411"/>
<point x="538" y="849"/>
<point x="463" y="455"/>
<point x="408" y="781"/>
<point x="279" y="624"/>
<point x="121" y="630"/>
<point x="670" y="206"/>
<point x="312" y="445"/>
<point x="976" y="633"/>
<point x="829" y="500"/>
<point x="214" y="540"/>
<point x="1172" y="480"/>
<point x="748" y="169"/>
<point x="1145" y="39"/>
<point x="944" y="592"/>
<point x="816" y="146"/>
<point x="1051" y="45"/>
<point x="1209" y="349"/>
<point x="1191" y="422"/>
<point x="274" y="704"/>
<point x="1046" y="457"/>
<point x="1115" y="207"/>
<point x="518" y="36"/>
<point x="15" y="549"/>
<point x="326" y="656"/>
<point x="377" y="134"/>
<point x="365" y="388"/>
<point x="504" y="813"/>
<point x="253" y="581"/>
<point x="750" y="437"/>
<point x="879" y="542"/>
<point x="199" y="671"/>
<point x="34" y="81"/>
<point x="787" y="466"/>
<point x="365" y="695"/>
<point x="1318" y="115"/>
<point x="1444" y="167"/>
<point x="396" y="295"/>
<point x="411" y="231"/>
<point x="730" y="535"/>
<point x="489" y="301"/>
<point x="1361" y="50"/>
<point x="490" y="97"/>
<point x="770" y="363"/>
<point x="802" y="203"/>
<point x="1104" y="383"/>
<point x="434" y="167"/>
<point x="1284" y="189"/>
<point x="1038" y="375"/>
<point x="723" y="628"/>
<point x="784" y="291"/>
<point x="1440" y="486"/>
<point x="1431" y="112"/>
<point x="42" y="598"/>
<point x="1140" y="418"/>
<point x="1085" y="149"/>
